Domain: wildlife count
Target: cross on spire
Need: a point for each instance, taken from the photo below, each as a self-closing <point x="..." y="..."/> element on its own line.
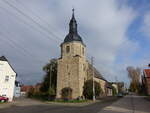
<point x="73" y="13"/>
<point x="73" y="10"/>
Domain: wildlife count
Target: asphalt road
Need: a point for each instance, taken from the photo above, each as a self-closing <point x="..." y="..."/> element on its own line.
<point x="32" y="106"/>
<point x="128" y="104"/>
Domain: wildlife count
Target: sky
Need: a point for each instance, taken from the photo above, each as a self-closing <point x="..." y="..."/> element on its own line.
<point x="116" y="34"/>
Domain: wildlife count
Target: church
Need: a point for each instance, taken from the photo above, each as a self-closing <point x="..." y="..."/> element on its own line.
<point x="73" y="67"/>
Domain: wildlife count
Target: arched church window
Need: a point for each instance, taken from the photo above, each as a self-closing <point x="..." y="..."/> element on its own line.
<point x="67" y="49"/>
<point x="83" y="50"/>
<point x="84" y="68"/>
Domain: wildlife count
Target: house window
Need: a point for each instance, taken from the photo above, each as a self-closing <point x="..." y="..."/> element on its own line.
<point x="67" y="49"/>
<point x="6" y="78"/>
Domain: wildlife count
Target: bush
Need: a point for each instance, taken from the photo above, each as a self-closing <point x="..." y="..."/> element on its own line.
<point x="39" y="96"/>
<point x="114" y="91"/>
<point x="88" y="89"/>
<point x="51" y="91"/>
<point x="66" y="93"/>
<point x="30" y="92"/>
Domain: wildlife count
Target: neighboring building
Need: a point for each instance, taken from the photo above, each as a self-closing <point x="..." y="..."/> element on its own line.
<point x="109" y="89"/>
<point x="121" y="88"/>
<point x="98" y="78"/>
<point x="37" y="87"/>
<point x="25" y="89"/>
<point x="73" y="68"/>
<point x="146" y="80"/>
<point x="115" y="85"/>
<point x="17" y="89"/>
<point x="7" y="79"/>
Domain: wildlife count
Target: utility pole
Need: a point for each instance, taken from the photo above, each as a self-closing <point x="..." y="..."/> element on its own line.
<point x="116" y="80"/>
<point x="92" y="61"/>
<point x="50" y="77"/>
<point x="50" y="72"/>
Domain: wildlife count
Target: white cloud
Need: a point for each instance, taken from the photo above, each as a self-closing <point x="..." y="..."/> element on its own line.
<point x="103" y="24"/>
<point x="146" y="24"/>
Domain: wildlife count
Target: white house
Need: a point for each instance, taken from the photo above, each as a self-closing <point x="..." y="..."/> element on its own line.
<point x="17" y="89"/>
<point x="7" y="79"/>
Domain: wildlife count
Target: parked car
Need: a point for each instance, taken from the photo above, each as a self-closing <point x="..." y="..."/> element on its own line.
<point x="120" y="95"/>
<point x="3" y="99"/>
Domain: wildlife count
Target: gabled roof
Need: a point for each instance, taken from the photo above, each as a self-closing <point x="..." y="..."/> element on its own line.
<point x="147" y="72"/>
<point x="26" y="88"/>
<point x="109" y="85"/>
<point x="97" y="74"/>
<point x="3" y="58"/>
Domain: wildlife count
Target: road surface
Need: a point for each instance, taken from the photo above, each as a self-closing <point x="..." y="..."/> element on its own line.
<point x="128" y="104"/>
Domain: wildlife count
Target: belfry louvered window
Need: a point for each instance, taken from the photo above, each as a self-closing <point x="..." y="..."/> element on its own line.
<point x="67" y="49"/>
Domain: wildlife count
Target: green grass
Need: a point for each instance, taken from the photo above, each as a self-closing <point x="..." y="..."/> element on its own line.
<point x="70" y="101"/>
<point x="2" y="102"/>
<point x="44" y="99"/>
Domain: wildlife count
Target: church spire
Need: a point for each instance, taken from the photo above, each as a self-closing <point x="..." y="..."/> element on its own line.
<point x="73" y="13"/>
<point x="73" y="34"/>
<point x="73" y="24"/>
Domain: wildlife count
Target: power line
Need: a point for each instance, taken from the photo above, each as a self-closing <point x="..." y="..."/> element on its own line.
<point x="24" y="22"/>
<point x="8" y="42"/>
<point x="34" y="21"/>
<point x="30" y="26"/>
<point x="30" y="18"/>
<point x="25" y="52"/>
<point x="41" y="19"/>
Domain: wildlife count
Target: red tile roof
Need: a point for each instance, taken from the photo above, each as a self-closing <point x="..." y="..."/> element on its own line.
<point x="147" y="72"/>
<point x="26" y="88"/>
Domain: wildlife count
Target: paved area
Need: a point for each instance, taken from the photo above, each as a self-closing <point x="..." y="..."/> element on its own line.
<point x="21" y="102"/>
<point x="128" y="104"/>
<point x="31" y="106"/>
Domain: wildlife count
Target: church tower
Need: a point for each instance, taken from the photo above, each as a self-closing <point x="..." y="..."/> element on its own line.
<point x="72" y="63"/>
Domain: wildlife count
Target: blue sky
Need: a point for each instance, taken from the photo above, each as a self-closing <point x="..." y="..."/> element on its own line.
<point x="136" y="33"/>
<point x="116" y="33"/>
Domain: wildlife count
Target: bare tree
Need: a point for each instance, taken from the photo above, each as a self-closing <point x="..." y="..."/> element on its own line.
<point x="134" y="75"/>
